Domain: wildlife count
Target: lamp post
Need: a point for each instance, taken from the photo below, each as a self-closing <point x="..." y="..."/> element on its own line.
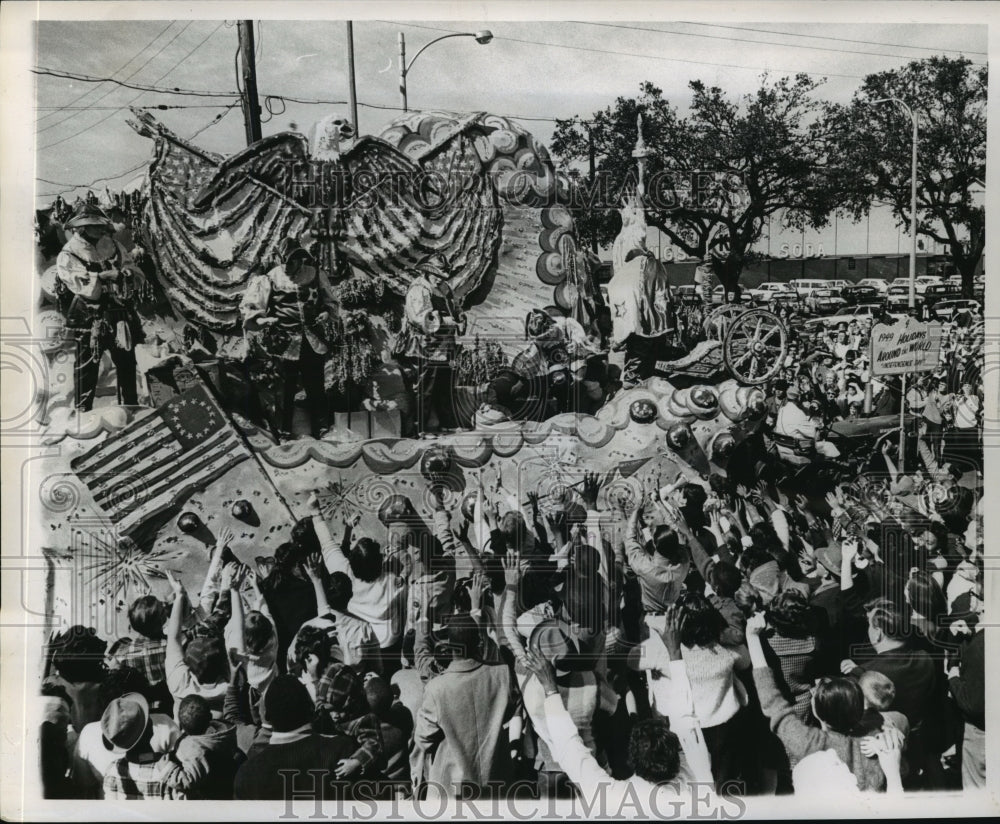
<point x="483" y="36"/>
<point x="913" y="259"/>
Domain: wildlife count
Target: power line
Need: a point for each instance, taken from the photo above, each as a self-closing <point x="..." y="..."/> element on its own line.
<point x="70" y="187"/>
<point x="119" y="69"/>
<point x="742" y="40"/>
<point x="828" y="37"/>
<point x="141" y="87"/>
<point x="158" y="79"/>
<point x="133" y="74"/>
<point x="634" y="54"/>
<point x="160" y="106"/>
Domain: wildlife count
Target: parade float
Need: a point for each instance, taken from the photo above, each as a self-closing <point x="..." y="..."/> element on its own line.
<point x="129" y="493"/>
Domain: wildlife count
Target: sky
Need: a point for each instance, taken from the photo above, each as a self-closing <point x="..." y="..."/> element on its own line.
<point x="533" y="71"/>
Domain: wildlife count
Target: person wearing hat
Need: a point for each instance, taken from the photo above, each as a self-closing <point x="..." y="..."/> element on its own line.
<point x="286" y="318"/>
<point x="797" y="433"/>
<point x="556" y="361"/>
<point x="138" y="772"/>
<point x="426" y="344"/>
<point x="289" y="756"/>
<point x="97" y="287"/>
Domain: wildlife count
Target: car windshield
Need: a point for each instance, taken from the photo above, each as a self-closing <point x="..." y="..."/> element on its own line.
<point x="825" y="293"/>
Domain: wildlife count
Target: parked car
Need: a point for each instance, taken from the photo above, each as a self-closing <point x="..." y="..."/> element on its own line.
<point x="857" y="294"/>
<point x="825" y="301"/>
<point x="763" y="293"/>
<point x="897" y="299"/>
<point x="875" y="283"/>
<point x="838" y="284"/>
<point x="948" y="309"/>
<point x="789" y="300"/>
<point x="687" y="294"/>
<point x="863" y="315"/>
<point x="806" y="286"/>
<point x="937" y="292"/>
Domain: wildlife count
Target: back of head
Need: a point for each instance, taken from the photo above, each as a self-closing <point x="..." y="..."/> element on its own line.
<point x="147" y="616"/>
<point x="205" y="656"/>
<point x="884" y="616"/>
<point x="78" y="655"/>
<point x="654" y="751"/>
<point x="668" y="546"/>
<point x="378" y="693"/>
<point x="366" y="560"/>
<point x="726" y="579"/>
<point x="790" y="614"/>
<point x="925" y="596"/>
<point x="194" y="715"/>
<point x="339" y="591"/>
<point x="878" y="689"/>
<point x="464" y="636"/>
<point x="257" y="632"/>
<point x="287" y="704"/>
<point x="839" y="703"/>
<point x="701" y="623"/>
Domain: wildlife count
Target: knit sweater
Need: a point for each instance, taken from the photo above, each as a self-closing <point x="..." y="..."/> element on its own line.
<point x="718" y="694"/>
<point x="801" y="740"/>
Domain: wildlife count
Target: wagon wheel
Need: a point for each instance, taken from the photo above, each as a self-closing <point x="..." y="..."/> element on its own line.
<point x="755" y="346"/>
<point x="717" y="322"/>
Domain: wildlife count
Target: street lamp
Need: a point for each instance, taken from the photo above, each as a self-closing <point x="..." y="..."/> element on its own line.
<point x="913" y="262"/>
<point x="483" y="36"/>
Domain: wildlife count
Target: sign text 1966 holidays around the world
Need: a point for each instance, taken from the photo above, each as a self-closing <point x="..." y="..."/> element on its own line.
<point x="907" y="346"/>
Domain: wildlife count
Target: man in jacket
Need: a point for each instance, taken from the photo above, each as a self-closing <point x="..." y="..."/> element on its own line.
<point x="97" y="287"/>
<point x="459" y="727"/>
<point x="426" y="347"/>
<point x="286" y="315"/>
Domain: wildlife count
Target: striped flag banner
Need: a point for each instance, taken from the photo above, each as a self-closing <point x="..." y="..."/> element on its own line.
<point x="157" y="461"/>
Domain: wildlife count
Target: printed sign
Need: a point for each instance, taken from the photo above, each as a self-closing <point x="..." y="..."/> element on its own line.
<point x="906" y="346"/>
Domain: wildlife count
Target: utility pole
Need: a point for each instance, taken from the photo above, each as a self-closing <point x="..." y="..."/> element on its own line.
<point x="251" y="106"/>
<point x="352" y="85"/>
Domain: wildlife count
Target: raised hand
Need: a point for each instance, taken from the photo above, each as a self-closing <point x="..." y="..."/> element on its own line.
<point x="225" y="538"/>
<point x="175" y="586"/>
<point x="314" y="566"/>
<point x="477" y="589"/>
<point x="543" y="670"/>
<point x="591" y="489"/>
<point x="671" y="633"/>
<point x="511" y="568"/>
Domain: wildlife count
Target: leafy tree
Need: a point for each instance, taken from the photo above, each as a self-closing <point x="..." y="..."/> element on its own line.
<point x="871" y="145"/>
<point x="720" y="172"/>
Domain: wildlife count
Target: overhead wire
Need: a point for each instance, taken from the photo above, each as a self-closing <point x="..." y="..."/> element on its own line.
<point x="130" y="76"/>
<point x="111" y="114"/>
<point x="119" y="69"/>
<point x="743" y="40"/>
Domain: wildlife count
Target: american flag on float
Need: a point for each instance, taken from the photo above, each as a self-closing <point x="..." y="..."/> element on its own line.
<point x="157" y="461"/>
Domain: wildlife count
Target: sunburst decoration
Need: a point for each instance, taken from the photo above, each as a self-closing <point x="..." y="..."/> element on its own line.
<point x="117" y="569"/>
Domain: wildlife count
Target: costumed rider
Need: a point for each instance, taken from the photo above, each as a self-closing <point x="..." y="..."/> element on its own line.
<point x="426" y="346"/>
<point x="798" y="435"/>
<point x="98" y="287"/>
<point x="639" y="294"/>
<point x="287" y="318"/>
<point x="556" y="362"/>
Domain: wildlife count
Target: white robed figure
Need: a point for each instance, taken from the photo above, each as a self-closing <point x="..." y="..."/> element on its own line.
<point x="640" y="299"/>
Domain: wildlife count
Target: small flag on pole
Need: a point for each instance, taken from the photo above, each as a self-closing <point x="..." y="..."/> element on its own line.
<point x="157" y="461"/>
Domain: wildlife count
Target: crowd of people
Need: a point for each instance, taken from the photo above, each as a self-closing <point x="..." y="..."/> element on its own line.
<point x="737" y="638"/>
<point x="718" y="633"/>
